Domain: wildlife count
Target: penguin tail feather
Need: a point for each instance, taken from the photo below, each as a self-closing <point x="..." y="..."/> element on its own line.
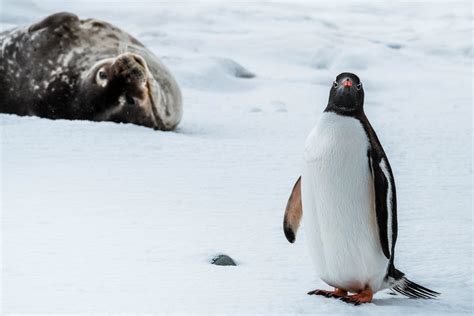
<point x="413" y="290"/>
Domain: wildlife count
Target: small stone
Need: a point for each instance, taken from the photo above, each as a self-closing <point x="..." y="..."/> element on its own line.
<point x="223" y="260"/>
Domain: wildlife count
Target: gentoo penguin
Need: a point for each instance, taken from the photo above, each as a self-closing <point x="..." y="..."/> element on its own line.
<point x="347" y="191"/>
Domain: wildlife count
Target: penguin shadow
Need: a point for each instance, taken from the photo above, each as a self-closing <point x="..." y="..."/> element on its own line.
<point x="391" y="299"/>
<point x="388" y="301"/>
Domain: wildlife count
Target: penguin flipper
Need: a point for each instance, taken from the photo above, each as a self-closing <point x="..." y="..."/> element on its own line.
<point x="293" y="213"/>
<point x="383" y="202"/>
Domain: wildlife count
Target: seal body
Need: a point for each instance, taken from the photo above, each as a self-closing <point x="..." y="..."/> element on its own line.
<point x="66" y="68"/>
<point x="339" y="202"/>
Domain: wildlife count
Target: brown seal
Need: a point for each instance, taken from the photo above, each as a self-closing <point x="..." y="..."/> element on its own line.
<point x="66" y="68"/>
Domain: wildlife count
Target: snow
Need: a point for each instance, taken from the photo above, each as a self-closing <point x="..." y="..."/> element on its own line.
<point x="114" y="218"/>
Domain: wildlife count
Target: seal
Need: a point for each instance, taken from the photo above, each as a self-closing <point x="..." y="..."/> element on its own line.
<point x="66" y="68"/>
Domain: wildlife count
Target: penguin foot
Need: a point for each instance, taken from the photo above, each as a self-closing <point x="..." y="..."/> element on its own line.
<point x="362" y="297"/>
<point x="337" y="293"/>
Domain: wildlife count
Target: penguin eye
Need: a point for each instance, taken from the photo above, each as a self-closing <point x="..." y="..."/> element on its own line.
<point x="359" y="86"/>
<point x="335" y="84"/>
<point x="101" y="77"/>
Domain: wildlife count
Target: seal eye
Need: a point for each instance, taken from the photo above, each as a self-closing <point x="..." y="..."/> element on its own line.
<point x="101" y="77"/>
<point x="335" y="84"/>
<point x="130" y="100"/>
<point x="359" y="86"/>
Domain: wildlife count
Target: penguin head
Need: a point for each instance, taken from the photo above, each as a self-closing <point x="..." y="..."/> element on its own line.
<point x="347" y="95"/>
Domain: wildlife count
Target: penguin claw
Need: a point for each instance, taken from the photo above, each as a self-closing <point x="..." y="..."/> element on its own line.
<point x="363" y="297"/>
<point x="355" y="302"/>
<point x="320" y="292"/>
<point x="337" y="293"/>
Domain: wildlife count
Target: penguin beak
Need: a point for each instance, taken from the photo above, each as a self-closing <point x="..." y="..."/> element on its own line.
<point x="347" y="83"/>
<point x="345" y="87"/>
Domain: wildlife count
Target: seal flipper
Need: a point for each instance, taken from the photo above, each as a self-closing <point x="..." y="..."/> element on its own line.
<point x="293" y="213"/>
<point x="54" y="20"/>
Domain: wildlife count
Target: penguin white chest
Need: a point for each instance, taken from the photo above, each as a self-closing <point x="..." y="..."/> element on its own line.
<point x="339" y="205"/>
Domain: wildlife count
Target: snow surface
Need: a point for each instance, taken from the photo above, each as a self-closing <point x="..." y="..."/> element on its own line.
<point x="110" y="218"/>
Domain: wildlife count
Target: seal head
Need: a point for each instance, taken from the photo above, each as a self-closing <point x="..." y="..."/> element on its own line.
<point x="122" y="90"/>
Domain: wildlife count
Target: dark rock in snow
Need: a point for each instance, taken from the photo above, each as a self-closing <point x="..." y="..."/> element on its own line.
<point x="223" y="260"/>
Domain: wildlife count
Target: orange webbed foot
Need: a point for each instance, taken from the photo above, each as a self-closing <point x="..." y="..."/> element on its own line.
<point x="364" y="296"/>
<point x="337" y="293"/>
